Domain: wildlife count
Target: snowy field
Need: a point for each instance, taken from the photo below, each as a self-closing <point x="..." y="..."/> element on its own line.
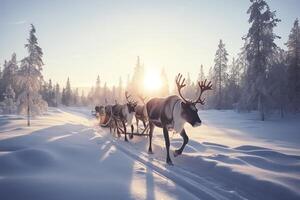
<point x="66" y="155"/>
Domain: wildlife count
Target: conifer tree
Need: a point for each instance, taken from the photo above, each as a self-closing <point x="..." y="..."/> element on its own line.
<point x="293" y="72"/>
<point x="259" y="49"/>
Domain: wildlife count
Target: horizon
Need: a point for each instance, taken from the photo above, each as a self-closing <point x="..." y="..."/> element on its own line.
<point x="81" y="40"/>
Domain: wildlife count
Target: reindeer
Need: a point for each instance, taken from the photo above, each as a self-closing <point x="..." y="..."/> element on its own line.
<point x="171" y="113"/>
<point x="141" y="113"/>
<point x="97" y="111"/>
<point x="124" y="114"/>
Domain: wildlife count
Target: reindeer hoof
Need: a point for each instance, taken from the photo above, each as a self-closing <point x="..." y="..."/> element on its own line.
<point x="176" y="153"/>
<point x="169" y="162"/>
<point x="150" y="152"/>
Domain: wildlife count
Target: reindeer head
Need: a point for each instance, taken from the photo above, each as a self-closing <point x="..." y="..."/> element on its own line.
<point x="131" y="104"/>
<point x="189" y="112"/>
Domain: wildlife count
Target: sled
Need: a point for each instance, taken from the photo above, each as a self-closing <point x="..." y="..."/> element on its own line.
<point x="105" y="120"/>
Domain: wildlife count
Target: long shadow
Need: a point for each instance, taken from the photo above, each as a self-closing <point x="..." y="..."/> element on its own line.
<point x="63" y="160"/>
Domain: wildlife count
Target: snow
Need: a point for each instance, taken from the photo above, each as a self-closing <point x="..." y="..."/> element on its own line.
<point x="66" y="155"/>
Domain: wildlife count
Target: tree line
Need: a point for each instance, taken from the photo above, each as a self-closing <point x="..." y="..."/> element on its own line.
<point x="262" y="77"/>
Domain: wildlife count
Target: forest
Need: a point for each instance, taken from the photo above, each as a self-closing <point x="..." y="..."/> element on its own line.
<point x="263" y="77"/>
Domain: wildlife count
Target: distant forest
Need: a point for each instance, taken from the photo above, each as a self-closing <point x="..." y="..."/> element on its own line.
<point x="262" y="77"/>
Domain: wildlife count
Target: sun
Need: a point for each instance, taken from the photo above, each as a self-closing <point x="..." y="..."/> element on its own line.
<point x="152" y="80"/>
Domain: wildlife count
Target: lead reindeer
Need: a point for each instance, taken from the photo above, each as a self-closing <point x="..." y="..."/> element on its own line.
<point x="171" y="113"/>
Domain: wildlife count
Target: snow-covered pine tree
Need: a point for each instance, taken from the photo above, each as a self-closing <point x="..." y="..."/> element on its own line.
<point x="277" y="82"/>
<point x="57" y="95"/>
<point x="90" y="96"/>
<point x="120" y="90"/>
<point x="259" y="49"/>
<point x="97" y="95"/>
<point x="76" y="98"/>
<point x="164" y="91"/>
<point x="8" y="106"/>
<point x="68" y="94"/>
<point x="30" y="77"/>
<point x="105" y="93"/>
<point x="293" y="72"/>
<point x="201" y="75"/>
<point x="63" y="96"/>
<point x="113" y="94"/>
<point x="136" y="86"/>
<point x="51" y="94"/>
<point x="83" y="99"/>
<point x="220" y="74"/>
<point x="232" y="92"/>
<point x="9" y="75"/>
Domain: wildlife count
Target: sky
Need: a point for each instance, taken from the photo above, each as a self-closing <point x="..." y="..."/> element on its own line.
<point x="83" y="38"/>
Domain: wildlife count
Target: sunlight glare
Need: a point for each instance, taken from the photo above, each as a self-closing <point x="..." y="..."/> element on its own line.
<point x="152" y="80"/>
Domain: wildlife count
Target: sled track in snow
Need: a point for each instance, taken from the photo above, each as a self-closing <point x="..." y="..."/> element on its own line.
<point x="191" y="182"/>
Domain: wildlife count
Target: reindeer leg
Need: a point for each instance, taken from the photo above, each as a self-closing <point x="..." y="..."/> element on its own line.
<point x="137" y="125"/>
<point x="118" y="131"/>
<point x="150" y="137"/>
<point x="125" y="131"/>
<point x="185" y="141"/>
<point x="167" y="141"/>
<point x="145" y="126"/>
<point x="131" y="135"/>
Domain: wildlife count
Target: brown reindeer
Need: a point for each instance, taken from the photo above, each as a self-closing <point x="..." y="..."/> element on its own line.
<point x="171" y="113"/>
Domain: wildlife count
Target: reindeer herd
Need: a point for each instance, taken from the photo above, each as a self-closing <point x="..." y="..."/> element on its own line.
<point x="170" y="114"/>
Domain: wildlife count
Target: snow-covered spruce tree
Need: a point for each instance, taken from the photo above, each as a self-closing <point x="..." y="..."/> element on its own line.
<point x="259" y="51"/>
<point x="8" y="106"/>
<point x="293" y="62"/>
<point x="83" y="99"/>
<point x="63" y="96"/>
<point x="113" y="94"/>
<point x="136" y="86"/>
<point x="90" y="96"/>
<point x="67" y="94"/>
<point x="105" y="92"/>
<point x="220" y="75"/>
<point x="201" y="75"/>
<point x="277" y="82"/>
<point x="51" y="94"/>
<point x="9" y="75"/>
<point x="48" y="93"/>
<point x="164" y="91"/>
<point x="76" y="98"/>
<point x="30" y="78"/>
<point x="120" y="91"/>
<point x="57" y="95"/>
<point x="232" y="90"/>
<point x="97" y="96"/>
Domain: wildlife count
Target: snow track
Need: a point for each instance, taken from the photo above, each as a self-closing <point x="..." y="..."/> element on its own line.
<point x="191" y="182"/>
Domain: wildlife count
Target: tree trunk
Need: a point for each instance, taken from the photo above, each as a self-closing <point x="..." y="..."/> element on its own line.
<point x="28" y="110"/>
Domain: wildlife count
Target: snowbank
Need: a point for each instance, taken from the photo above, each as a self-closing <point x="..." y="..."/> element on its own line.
<point x="66" y="155"/>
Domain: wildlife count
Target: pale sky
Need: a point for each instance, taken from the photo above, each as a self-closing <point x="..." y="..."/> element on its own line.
<point x="83" y="38"/>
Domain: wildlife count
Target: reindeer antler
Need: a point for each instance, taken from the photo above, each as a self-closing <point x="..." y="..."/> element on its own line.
<point x="129" y="100"/>
<point x="203" y="87"/>
<point x="180" y="84"/>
